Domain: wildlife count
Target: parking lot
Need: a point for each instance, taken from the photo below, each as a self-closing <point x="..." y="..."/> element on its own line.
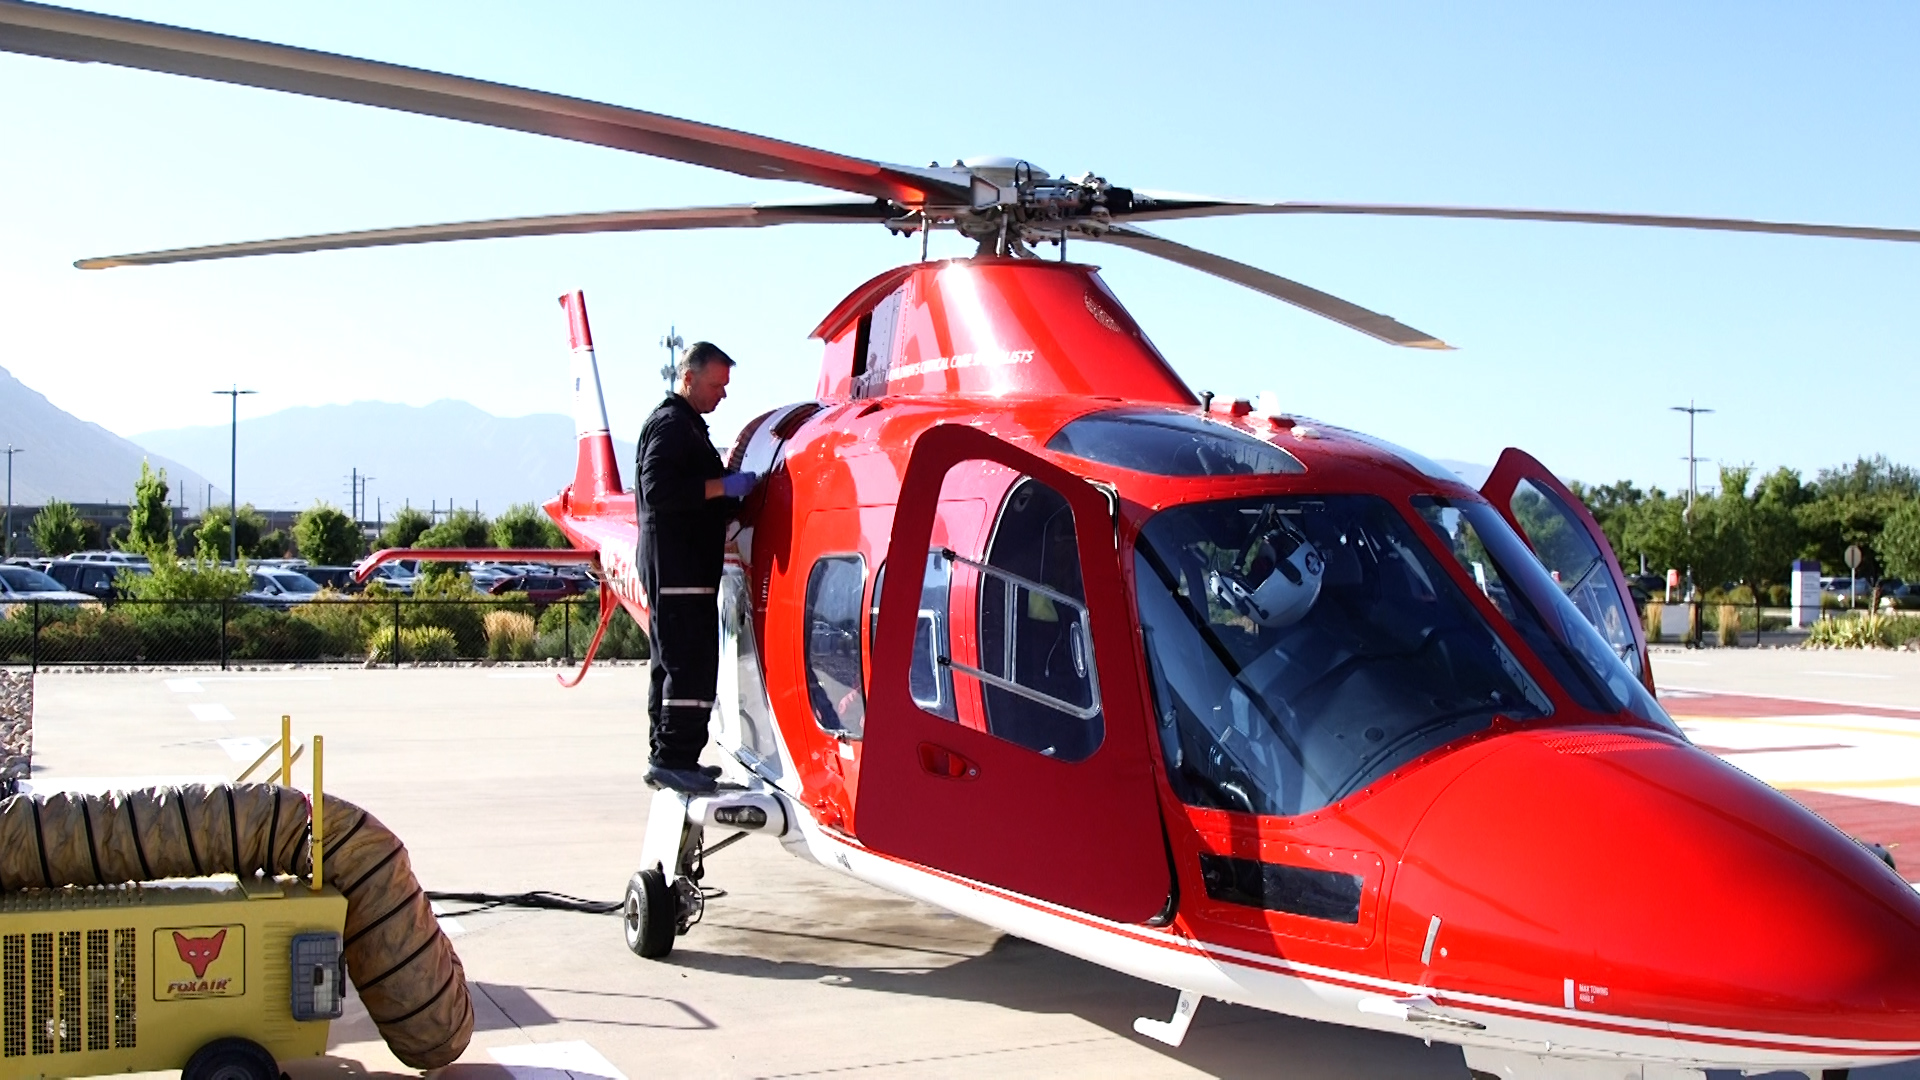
<point x="501" y="782"/>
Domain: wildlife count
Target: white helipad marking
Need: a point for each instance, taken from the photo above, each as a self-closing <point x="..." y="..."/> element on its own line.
<point x="100" y="785"/>
<point x="245" y="749"/>
<point x="1847" y="674"/>
<point x="210" y="711"/>
<point x="185" y="686"/>
<point x="1876" y="757"/>
<point x="448" y="926"/>
<point x="264" y="678"/>
<point x="556" y="1061"/>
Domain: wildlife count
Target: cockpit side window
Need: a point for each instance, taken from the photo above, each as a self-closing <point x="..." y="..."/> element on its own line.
<point x="1302" y="647"/>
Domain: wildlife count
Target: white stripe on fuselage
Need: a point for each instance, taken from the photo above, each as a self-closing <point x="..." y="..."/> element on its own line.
<point x="1330" y="994"/>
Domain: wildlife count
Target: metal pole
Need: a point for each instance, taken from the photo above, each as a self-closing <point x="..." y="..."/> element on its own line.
<point x="10" y="452"/>
<point x="233" y="492"/>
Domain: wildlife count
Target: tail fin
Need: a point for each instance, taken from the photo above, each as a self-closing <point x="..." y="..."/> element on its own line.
<point x="596" y="473"/>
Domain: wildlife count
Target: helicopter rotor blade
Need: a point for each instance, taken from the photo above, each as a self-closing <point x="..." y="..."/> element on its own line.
<point x="39" y="30"/>
<point x="1325" y="305"/>
<point x="1156" y="206"/>
<point x="746" y="215"/>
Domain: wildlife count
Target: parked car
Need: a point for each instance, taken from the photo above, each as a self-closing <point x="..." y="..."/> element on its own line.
<point x="542" y="589"/>
<point x="95" y="577"/>
<point x="397" y="576"/>
<point x="271" y="585"/>
<point x="1900" y="598"/>
<point x="18" y="583"/>
<point x="337" y="578"/>
<point x="118" y="558"/>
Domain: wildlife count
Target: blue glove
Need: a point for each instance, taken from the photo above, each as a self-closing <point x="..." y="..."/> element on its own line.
<point x="737" y="485"/>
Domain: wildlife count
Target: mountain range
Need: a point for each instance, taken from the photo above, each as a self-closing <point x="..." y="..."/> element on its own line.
<point x="434" y="455"/>
<point x="68" y="458"/>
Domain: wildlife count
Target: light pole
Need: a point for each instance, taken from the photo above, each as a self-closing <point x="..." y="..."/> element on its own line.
<point x="1693" y="479"/>
<point x="233" y="476"/>
<point x="1693" y="473"/>
<point x="11" y="450"/>
<point x="673" y="344"/>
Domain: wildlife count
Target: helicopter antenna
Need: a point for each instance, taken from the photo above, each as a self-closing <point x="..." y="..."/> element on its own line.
<point x="673" y="344"/>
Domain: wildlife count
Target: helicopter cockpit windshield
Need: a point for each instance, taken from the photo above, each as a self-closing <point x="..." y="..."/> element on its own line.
<point x="1301" y="647"/>
<point x="1593" y="671"/>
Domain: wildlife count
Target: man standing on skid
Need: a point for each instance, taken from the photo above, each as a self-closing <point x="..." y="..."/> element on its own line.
<point x="685" y="500"/>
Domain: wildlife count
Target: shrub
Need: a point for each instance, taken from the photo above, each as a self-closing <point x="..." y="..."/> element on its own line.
<point x="89" y="635"/>
<point x="58" y="529"/>
<point x="509" y="635"/>
<point x="16" y="632"/>
<point x="264" y="634"/>
<point x="417" y="643"/>
<point x="624" y="639"/>
<point x="525" y="526"/>
<point x="1779" y="596"/>
<point x="1870" y="630"/>
<point x="343" y="622"/>
<point x="176" y="631"/>
<point x="201" y="578"/>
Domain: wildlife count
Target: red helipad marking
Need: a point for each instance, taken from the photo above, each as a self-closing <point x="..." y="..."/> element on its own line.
<point x="1738" y="705"/>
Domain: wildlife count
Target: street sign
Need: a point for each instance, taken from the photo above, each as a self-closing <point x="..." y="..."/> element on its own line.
<point x="1853" y="556"/>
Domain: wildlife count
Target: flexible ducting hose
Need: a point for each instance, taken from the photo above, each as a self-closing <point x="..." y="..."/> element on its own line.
<point x="404" y="968"/>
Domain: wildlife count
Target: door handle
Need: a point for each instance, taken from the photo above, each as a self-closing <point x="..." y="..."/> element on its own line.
<point x="944" y="763"/>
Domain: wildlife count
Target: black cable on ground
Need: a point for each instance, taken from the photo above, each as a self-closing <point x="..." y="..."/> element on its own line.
<point x="538" y="900"/>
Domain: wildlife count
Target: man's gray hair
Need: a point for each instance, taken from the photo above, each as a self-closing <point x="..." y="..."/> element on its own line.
<point x="698" y="356"/>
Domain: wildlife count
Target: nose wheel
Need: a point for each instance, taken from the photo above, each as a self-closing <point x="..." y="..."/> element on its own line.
<point x="651" y="914"/>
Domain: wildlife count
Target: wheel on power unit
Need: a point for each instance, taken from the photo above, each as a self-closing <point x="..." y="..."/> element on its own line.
<point x="231" y="1059"/>
<point x="649" y="914"/>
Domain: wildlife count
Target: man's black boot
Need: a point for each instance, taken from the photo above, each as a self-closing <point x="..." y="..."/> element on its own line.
<point x="685" y="781"/>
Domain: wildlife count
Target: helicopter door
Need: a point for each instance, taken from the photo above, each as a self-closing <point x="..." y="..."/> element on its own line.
<point x="1571" y="545"/>
<point x="1052" y="795"/>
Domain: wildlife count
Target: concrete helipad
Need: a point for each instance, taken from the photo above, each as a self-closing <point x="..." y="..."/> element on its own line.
<point x="501" y="782"/>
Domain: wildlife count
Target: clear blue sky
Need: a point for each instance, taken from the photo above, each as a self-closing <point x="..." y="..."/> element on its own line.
<point x="1573" y="339"/>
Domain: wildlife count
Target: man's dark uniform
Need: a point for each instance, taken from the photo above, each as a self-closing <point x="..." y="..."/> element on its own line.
<point x="682" y="550"/>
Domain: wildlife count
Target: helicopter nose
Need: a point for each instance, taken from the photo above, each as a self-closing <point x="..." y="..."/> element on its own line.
<point x="1605" y="871"/>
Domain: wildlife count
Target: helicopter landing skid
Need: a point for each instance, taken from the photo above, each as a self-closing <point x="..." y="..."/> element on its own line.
<point x="1172" y="1032"/>
<point x="665" y="898"/>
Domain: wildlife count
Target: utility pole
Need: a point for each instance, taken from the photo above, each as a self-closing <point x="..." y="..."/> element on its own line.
<point x="673" y="344"/>
<point x="1693" y="463"/>
<point x="11" y="450"/>
<point x="233" y="475"/>
<point x="357" y="495"/>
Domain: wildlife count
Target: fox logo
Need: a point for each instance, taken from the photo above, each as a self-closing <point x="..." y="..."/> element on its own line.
<point x="197" y="953"/>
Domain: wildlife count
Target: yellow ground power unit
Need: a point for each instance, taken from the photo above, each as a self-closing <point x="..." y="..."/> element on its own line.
<point x="191" y="928"/>
<point x="209" y="976"/>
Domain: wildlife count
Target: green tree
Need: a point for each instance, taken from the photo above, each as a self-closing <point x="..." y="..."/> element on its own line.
<point x="210" y="540"/>
<point x="525" y="526"/>
<point x="57" y="530"/>
<point x="1899" y="546"/>
<point x="326" y="536"/>
<point x="405" y="528"/>
<point x="149" y="518"/>
<point x="461" y="529"/>
<point x="274" y="545"/>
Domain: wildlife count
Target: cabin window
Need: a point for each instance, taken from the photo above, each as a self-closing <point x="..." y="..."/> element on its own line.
<point x="1167" y="443"/>
<point x="1038" y="682"/>
<point x="929" y="680"/>
<point x="834" y="590"/>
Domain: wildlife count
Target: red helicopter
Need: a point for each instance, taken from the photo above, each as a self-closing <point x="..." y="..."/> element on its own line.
<point x="1251" y="706"/>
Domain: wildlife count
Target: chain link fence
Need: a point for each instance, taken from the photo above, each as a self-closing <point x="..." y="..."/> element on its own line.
<point x="344" y="630"/>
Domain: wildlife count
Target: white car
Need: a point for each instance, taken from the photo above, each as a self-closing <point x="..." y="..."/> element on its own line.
<point x="271" y="585"/>
<point x="19" y="583"/>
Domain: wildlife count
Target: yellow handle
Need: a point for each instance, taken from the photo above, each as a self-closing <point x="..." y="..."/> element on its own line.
<point x="286" y="751"/>
<point x="319" y="812"/>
